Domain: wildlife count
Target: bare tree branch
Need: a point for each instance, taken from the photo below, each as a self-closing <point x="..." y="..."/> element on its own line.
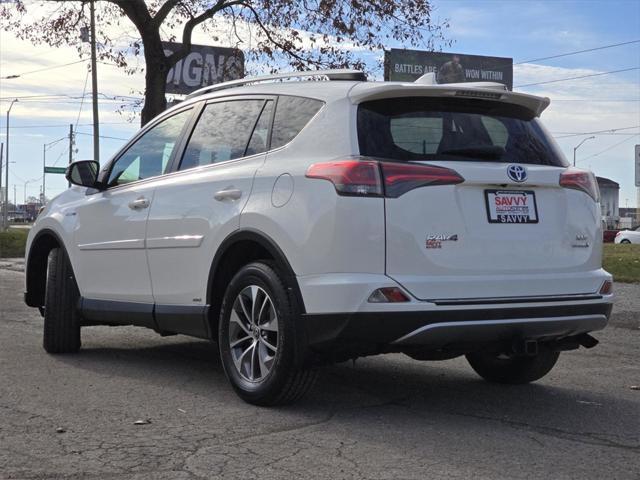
<point x="164" y="10"/>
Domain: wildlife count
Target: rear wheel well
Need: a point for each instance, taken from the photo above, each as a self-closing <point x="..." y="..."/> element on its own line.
<point x="240" y="249"/>
<point x="233" y="259"/>
<point x="36" y="268"/>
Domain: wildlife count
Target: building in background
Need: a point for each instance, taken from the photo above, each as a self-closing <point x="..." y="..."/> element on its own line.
<point x="629" y="218"/>
<point x="609" y="201"/>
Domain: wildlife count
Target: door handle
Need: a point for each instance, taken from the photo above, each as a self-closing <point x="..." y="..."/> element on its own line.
<point x="228" y="194"/>
<point x="139" y="203"/>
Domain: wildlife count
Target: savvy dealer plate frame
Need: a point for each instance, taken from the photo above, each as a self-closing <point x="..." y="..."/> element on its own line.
<point x="529" y="193"/>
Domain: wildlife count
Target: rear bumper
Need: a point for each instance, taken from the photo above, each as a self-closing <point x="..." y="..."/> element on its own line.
<point x="443" y="328"/>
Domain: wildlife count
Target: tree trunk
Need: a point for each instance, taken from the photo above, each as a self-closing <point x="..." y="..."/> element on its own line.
<point x="156" y="71"/>
<point x="155" y="101"/>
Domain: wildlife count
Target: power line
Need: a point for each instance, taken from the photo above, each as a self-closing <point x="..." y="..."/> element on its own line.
<point x="9" y="77"/>
<point x="66" y="125"/>
<point x="64" y="95"/>
<point x="84" y="91"/>
<point x="590" y="100"/>
<point x="575" y="134"/>
<point x="578" y="51"/>
<point x="609" y="148"/>
<point x="102" y="136"/>
<point x="577" y="78"/>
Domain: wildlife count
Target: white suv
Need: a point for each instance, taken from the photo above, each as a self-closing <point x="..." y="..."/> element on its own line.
<point x="301" y="222"/>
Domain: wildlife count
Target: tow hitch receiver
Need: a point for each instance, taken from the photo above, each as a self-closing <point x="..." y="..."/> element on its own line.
<point x="527" y="348"/>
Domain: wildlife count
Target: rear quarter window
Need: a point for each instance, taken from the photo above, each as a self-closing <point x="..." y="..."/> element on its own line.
<point x="292" y="115"/>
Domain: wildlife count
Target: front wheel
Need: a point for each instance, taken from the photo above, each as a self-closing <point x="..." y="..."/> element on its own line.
<point x="61" y="318"/>
<point x="625" y="241"/>
<point x="259" y="338"/>
<point x="501" y="368"/>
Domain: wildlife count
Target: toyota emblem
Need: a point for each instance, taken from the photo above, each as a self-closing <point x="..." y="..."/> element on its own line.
<point x="517" y="173"/>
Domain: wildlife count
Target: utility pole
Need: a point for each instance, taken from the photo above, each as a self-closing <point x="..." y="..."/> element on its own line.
<point x="1" y="198"/>
<point x="5" y="221"/>
<point x="94" y="85"/>
<point x="70" y="146"/>
<point x="44" y="175"/>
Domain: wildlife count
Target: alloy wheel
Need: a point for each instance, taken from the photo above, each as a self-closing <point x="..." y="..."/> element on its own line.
<point x="253" y="334"/>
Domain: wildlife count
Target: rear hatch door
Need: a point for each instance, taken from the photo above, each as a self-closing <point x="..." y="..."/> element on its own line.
<point x="508" y="230"/>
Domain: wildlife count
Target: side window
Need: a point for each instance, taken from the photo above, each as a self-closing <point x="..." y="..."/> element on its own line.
<point x="292" y="114"/>
<point x="222" y="132"/>
<point x="149" y="155"/>
<point x="260" y="137"/>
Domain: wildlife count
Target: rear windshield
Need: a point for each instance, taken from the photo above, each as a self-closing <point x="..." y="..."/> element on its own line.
<point x="454" y="129"/>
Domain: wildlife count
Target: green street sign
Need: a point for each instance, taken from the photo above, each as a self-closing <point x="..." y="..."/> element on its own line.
<point x="61" y="170"/>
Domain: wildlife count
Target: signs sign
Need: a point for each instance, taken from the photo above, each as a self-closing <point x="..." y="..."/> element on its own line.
<point x="204" y="65"/>
<point x="409" y="65"/>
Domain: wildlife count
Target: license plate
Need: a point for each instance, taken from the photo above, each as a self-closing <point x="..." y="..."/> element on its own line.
<point x="511" y="206"/>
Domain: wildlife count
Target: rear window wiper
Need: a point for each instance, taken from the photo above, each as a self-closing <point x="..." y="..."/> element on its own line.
<point x="492" y="152"/>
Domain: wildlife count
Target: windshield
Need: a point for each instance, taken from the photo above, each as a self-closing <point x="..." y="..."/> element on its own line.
<point x="419" y="128"/>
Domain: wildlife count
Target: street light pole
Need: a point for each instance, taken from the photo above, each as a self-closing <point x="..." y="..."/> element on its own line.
<point x="5" y="220"/>
<point x="578" y="146"/>
<point x="94" y="85"/>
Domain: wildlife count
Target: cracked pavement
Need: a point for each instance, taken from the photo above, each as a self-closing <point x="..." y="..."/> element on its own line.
<point x="386" y="417"/>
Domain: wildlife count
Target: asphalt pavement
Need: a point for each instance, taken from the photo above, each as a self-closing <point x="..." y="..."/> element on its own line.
<point x="134" y="405"/>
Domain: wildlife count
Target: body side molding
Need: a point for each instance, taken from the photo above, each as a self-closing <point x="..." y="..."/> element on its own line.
<point x="164" y="319"/>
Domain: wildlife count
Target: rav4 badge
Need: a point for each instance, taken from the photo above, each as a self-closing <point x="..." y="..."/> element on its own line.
<point x="435" y="241"/>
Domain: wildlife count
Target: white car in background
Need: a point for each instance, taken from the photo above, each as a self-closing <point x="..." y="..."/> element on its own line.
<point x="628" y="236"/>
<point x="302" y="222"/>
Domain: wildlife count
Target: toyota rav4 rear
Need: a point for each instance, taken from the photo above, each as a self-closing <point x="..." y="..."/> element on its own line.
<point x="492" y="242"/>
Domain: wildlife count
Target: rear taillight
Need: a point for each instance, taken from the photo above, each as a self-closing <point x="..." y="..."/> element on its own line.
<point x="374" y="178"/>
<point x="350" y="177"/>
<point x="399" y="178"/>
<point x="581" y="180"/>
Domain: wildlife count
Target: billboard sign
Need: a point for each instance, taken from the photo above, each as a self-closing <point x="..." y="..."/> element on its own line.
<point x="204" y="65"/>
<point x="409" y="65"/>
<point x="638" y="166"/>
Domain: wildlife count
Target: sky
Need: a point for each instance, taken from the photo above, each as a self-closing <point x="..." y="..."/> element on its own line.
<point x="520" y="29"/>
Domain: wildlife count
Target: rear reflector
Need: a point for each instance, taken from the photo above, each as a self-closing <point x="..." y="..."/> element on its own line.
<point x="607" y="288"/>
<point x="373" y="178"/>
<point x="388" y="295"/>
<point x="581" y="180"/>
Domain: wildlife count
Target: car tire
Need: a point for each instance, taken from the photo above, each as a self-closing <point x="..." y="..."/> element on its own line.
<point x="498" y="368"/>
<point x="61" y="316"/>
<point x="259" y="338"/>
<point x="625" y="241"/>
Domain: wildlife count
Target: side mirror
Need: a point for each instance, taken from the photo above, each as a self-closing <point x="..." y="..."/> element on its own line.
<point x="83" y="173"/>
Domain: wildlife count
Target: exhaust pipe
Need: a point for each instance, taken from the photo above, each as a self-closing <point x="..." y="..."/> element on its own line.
<point x="586" y="340"/>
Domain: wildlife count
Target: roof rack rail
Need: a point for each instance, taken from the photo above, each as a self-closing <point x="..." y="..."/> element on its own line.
<point x="337" y="74"/>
